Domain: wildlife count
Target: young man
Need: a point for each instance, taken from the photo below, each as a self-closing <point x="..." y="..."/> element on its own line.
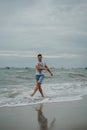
<point x="40" y="67"/>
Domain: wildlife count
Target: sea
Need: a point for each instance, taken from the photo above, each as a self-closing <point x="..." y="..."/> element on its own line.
<point x="16" y="85"/>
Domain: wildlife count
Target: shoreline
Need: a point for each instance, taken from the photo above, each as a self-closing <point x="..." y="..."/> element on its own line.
<point x="70" y="115"/>
<point x="62" y="100"/>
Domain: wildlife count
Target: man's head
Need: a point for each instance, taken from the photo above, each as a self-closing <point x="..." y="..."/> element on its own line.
<point x="39" y="56"/>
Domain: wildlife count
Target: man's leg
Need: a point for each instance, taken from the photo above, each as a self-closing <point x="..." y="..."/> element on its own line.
<point x="40" y="81"/>
<point x="40" y="90"/>
<point x="35" y="90"/>
<point x="38" y="86"/>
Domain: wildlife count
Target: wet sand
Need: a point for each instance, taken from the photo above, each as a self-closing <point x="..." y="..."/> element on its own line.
<point x="70" y="115"/>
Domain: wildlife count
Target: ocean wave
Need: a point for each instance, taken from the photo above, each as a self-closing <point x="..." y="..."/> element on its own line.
<point x="66" y="85"/>
<point x="38" y="100"/>
<point x="58" y="92"/>
<point x="74" y="75"/>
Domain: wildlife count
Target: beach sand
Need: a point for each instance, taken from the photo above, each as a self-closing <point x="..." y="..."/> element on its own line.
<point x="70" y="115"/>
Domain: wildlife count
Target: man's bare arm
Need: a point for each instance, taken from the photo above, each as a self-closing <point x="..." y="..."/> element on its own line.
<point x="47" y="68"/>
<point x="40" y="68"/>
<point x="44" y="68"/>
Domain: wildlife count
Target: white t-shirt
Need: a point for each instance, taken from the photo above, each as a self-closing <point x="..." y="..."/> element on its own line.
<point x="41" y="64"/>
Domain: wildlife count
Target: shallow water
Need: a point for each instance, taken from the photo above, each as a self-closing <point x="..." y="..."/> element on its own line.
<point x="17" y="83"/>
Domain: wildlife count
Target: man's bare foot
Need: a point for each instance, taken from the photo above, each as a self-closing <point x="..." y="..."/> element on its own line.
<point x="31" y="95"/>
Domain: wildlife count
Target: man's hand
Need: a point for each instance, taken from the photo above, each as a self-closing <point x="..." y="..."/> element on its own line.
<point x="51" y="74"/>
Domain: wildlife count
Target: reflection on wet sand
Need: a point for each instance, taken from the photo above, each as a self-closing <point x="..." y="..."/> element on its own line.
<point x="42" y="120"/>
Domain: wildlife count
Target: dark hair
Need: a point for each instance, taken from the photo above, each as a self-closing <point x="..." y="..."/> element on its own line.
<point x="39" y="55"/>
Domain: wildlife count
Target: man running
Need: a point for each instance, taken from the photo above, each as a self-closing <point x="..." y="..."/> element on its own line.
<point x="40" y="67"/>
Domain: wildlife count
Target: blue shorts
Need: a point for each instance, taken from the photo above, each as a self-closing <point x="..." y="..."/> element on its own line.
<point x="39" y="78"/>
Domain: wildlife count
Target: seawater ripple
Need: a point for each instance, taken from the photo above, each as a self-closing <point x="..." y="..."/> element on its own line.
<point x="16" y="84"/>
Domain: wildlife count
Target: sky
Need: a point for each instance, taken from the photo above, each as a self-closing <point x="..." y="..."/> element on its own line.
<point x="55" y="28"/>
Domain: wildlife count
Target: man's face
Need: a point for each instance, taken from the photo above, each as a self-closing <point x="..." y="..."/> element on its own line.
<point x="40" y="58"/>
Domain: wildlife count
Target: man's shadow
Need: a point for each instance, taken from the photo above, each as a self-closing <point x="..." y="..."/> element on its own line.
<point x="42" y="120"/>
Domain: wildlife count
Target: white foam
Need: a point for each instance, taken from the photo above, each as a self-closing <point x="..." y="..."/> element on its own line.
<point x="58" y="92"/>
<point x="38" y="100"/>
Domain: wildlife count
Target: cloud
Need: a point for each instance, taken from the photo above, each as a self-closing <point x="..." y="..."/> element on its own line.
<point x="16" y="54"/>
<point x="63" y="56"/>
<point x="55" y="28"/>
<point x="33" y="55"/>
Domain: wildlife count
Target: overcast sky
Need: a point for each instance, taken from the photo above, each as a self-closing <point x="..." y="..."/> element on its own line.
<point x="55" y="28"/>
